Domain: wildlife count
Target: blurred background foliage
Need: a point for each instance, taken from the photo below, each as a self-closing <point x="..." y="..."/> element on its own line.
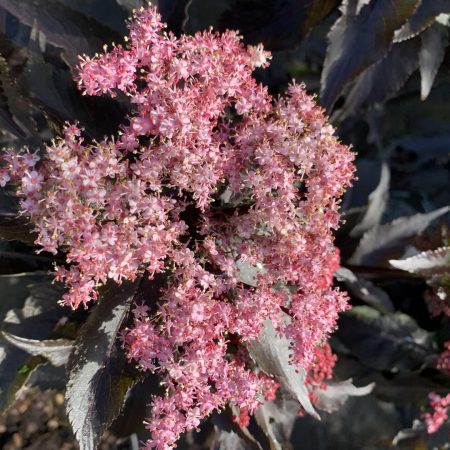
<point x="380" y="68"/>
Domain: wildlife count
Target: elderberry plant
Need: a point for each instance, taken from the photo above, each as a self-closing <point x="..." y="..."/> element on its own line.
<point x="230" y="194"/>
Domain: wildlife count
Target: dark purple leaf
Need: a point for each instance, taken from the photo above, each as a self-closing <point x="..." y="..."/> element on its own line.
<point x="107" y="12"/>
<point x="391" y="342"/>
<point x="15" y="109"/>
<point x="358" y="41"/>
<point x="336" y="393"/>
<point x="229" y="440"/>
<point x="277" y="24"/>
<point x="376" y="204"/>
<point x="63" y="27"/>
<point x="272" y="354"/>
<point x="97" y="378"/>
<point x="423" y="17"/>
<point x="365" y="290"/>
<point x="35" y="313"/>
<point x="432" y="52"/>
<point x="427" y="264"/>
<point x="55" y="350"/>
<point x="380" y="81"/>
<point x="377" y="242"/>
<point x="277" y="418"/>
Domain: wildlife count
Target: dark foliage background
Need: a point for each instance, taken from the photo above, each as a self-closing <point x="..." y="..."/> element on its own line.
<point x="381" y="70"/>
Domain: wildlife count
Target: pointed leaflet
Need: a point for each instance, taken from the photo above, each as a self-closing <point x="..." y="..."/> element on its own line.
<point x="381" y="80"/>
<point x="14" y="290"/>
<point x="39" y="79"/>
<point x="432" y="52"/>
<point x="63" y="27"/>
<point x="97" y="385"/>
<point x="422" y="18"/>
<point x="50" y="84"/>
<point x="376" y="205"/>
<point x="272" y="354"/>
<point x="358" y="41"/>
<point x="376" y="242"/>
<point x="365" y="290"/>
<point x="229" y="435"/>
<point x="55" y="350"/>
<point x="277" y="418"/>
<point x="417" y="437"/>
<point x="425" y="263"/>
<point x="336" y="393"/>
<point x="35" y="316"/>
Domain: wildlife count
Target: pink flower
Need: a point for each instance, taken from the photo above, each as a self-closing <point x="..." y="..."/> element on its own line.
<point x="439" y="414"/>
<point x="443" y="362"/>
<point x="200" y="127"/>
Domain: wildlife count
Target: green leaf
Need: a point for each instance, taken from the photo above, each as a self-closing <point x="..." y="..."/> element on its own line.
<point x="24" y="369"/>
<point x="97" y="378"/>
<point x="356" y="41"/>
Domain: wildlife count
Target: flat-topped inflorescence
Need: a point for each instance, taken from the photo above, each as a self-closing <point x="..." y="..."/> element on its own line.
<point x="209" y="177"/>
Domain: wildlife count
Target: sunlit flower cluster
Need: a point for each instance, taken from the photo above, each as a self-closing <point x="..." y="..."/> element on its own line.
<point x="439" y="412"/>
<point x="229" y="193"/>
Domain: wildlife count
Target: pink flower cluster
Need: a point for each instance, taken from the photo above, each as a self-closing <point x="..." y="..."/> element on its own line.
<point x="321" y="370"/>
<point x="443" y="362"/>
<point x="439" y="414"/>
<point x="229" y="192"/>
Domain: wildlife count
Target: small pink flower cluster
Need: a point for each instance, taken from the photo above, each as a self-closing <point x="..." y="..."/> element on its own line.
<point x="443" y="362"/>
<point x="321" y="370"/>
<point x="229" y="192"/>
<point x="439" y="415"/>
